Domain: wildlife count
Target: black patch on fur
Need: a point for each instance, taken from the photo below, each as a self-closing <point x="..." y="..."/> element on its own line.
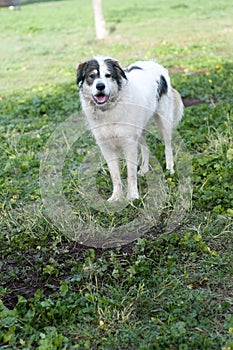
<point x="129" y="69"/>
<point x="162" y="87"/>
<point x="84" y="71"/>
<point x="116" y="71"/>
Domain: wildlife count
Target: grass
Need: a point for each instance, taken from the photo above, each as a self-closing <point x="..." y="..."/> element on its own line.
<point x="48" y="39"/>
<point x="170" y="288"/>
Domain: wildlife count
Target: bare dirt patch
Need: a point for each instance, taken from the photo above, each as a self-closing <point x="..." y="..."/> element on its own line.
<point x="190" y="102"/>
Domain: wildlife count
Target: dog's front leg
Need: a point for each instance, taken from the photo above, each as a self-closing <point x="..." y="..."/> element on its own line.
<point x="112" y="160"/>
<point x="117" y="192"/>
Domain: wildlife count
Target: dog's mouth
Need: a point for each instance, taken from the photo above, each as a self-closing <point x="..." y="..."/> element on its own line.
<point x="101" y="98"/>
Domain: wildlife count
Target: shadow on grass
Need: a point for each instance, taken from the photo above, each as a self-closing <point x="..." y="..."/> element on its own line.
<point x="28" y="2"/>
<point x="5" y="3"/>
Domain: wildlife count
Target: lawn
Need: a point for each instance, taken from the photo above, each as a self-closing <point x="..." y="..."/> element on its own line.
<point x="77" y="273"/>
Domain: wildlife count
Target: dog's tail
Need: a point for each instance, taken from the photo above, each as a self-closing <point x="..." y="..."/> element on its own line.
<point x="178" y="107"/>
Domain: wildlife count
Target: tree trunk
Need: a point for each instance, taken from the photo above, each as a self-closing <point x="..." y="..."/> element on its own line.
<point x="101" y="31"/>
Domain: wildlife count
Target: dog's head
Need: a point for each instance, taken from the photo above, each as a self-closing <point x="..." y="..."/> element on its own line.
<point x="100" y="79"/>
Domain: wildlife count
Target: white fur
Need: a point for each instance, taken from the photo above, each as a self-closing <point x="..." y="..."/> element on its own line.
<point x="119" y="124"/>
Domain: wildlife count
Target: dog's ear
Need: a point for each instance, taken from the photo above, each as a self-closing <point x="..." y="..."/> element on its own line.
<point x="81" y="72"/>
<point x="115" y="68"/>
<point x="119" y="69"/>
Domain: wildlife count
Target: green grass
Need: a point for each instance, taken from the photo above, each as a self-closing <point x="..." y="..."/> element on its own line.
<point x="44" y="41"/>
<point x="167" y="290"/>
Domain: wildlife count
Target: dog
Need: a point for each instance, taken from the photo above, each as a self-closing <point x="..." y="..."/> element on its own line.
<point x="118" y="104"/>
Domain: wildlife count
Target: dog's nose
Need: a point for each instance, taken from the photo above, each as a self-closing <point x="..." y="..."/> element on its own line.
<point x="100" y="86"/>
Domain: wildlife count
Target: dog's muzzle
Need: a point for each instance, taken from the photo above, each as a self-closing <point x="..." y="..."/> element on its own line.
<point x="100" y="97"/>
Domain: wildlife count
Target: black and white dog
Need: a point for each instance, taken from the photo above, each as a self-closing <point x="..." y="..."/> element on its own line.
<point x="118" y="104"/>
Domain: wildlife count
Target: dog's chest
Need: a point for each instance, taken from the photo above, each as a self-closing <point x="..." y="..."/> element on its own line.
<point x="110" y="131"/>
<point x="122" y="122"/>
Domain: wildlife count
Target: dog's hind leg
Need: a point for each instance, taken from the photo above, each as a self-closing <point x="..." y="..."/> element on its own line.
<point x="168" y="116"/>
<point x="144" y="168"/>
<point x="131" y="154"/>
<point x="166" y="125"/>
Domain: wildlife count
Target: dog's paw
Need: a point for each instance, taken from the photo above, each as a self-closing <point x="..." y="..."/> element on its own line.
<point x="142" y="172"/>
<point x="171" y="170"/>
<point x="170" y="167"/>
<point x="132" y="196"/>
<point x="115" y="197"/>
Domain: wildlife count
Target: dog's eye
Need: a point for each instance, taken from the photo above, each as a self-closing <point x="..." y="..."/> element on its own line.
<point x="92" y="76"/>
<point x="108" y="75"/>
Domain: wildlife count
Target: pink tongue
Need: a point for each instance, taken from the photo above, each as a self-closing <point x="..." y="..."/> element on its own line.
<point x="102" y="99"/>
